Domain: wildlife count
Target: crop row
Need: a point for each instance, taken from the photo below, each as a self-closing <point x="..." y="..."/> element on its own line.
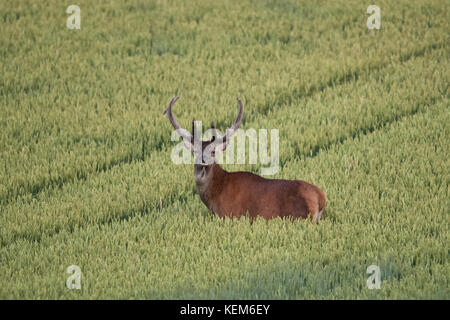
<point x="75" y="104"/>
<point x="386" y="207"/>
<point x="147" y="186"/>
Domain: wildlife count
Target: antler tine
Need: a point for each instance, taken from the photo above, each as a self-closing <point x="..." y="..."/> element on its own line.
<point x="194" y="130"/>
<point x="183" y="132"/>
<point x="238" y="121"/>
<point x="214" y="132"/>
<point x="169" y="108"/>
<point x="236" y="124"/>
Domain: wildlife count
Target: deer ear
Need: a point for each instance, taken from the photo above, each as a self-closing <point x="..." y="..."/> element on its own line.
<point x="221" y="146"/>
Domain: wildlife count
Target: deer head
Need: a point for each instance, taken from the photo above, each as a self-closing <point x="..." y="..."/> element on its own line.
<point x="204" y="151"/>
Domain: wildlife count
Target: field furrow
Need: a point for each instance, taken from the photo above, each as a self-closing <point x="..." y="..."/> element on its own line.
<point x="110" y="114"/>
<point x="86" y="170"/>
<point x="143" y="188"/>
<point x="181" y="253"/>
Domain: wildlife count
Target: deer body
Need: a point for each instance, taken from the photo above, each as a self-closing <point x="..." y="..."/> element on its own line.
<point x="234" y="194"/>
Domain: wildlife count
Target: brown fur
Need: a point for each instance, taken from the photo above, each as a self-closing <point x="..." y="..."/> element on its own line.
<point x="233" y="194"/>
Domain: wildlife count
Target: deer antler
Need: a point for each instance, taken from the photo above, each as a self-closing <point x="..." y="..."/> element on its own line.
<point x="214" y="132"/>
<point x="235" y="126"/>
<point x="183" y="132"/>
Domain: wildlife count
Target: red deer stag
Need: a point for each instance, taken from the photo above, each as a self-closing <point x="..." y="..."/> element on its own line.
<point x="233" y="194"/>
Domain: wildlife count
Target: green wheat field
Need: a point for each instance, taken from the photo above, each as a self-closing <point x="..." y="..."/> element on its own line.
<point x="86" y="177"/>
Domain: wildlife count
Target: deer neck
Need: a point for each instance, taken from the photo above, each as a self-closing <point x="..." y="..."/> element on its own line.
<point x="208" y="181"/>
